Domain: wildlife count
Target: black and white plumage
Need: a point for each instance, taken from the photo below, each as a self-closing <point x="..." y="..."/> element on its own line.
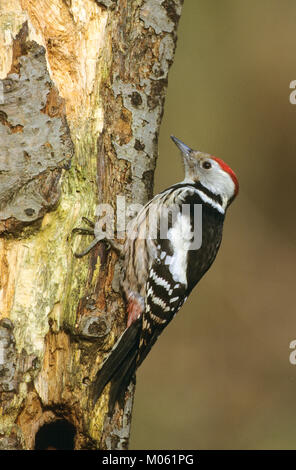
<point x="160" y="272"/>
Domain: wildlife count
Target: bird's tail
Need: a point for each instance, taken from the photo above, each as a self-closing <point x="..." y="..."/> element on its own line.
<point x="120" y="367"/>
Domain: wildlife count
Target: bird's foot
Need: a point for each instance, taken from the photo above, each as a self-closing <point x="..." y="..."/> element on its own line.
<point x="110" y="244"/>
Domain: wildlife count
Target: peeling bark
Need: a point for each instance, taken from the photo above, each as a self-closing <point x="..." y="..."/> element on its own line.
<point x="34" y="135"/>
<point x="83" y="95"/>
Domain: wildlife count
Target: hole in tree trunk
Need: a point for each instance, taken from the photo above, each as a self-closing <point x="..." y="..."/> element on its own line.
<point x="57" y="435"/>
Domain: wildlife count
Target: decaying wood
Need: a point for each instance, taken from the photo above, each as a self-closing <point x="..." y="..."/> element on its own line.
<point x="81" y="99"/>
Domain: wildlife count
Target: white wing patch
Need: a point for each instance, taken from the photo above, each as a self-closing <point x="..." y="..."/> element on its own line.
<point x="180" y="236"/>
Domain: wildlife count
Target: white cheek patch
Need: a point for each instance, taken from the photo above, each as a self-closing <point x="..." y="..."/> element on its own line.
<point x="219" y="182"/>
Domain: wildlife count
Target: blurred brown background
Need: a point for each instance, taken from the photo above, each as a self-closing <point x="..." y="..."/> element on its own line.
<point x="220" y="376"/>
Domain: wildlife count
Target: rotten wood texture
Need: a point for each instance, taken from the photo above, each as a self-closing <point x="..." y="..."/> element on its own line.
<point x="84" y="83"/>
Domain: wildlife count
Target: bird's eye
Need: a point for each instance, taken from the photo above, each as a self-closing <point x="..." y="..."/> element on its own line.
<point x="207" y="165"/>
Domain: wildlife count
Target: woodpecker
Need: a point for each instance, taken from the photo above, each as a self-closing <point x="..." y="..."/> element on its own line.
<point x="160" y="272"/>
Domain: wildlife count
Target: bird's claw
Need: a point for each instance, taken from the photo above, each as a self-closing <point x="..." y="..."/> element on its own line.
<point x="109" y="244"/>
<point x="83" y="231"/>
<point x="89" y="222"/>
<point x="86" y="231"/>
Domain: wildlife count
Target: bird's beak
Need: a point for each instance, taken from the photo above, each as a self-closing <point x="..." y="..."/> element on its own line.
<point x="181" y="146"/>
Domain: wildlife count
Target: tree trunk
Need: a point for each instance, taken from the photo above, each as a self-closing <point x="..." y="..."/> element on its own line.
<point x="81" y="99"/>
